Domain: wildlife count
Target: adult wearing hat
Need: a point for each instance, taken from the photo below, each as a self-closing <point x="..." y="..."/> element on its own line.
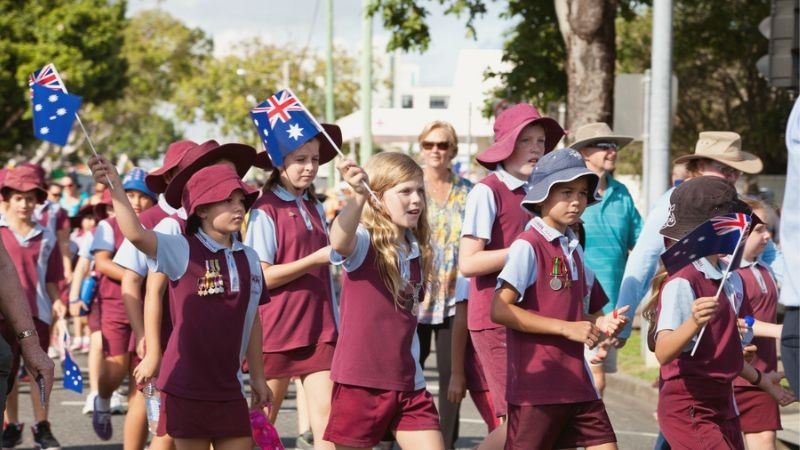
<point x="611" y="226"/>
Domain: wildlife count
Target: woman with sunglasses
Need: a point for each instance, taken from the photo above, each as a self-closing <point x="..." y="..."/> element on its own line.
<point x="71" y="197"/>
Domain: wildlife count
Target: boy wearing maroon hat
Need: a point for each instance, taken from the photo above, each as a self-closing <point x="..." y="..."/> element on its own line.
<point x="541" y="294"/>
<point x="35" y="253"/>
<point x="492" y="220"/>
<point x="215" y="289"/>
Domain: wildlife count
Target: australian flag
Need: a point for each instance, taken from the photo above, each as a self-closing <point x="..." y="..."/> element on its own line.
<point x="719" y="235"/>
<point x="283" y="125"/>
<point x="48" y="77"/>
<point x="53" y="113"/>
<point x="73" y="380"/>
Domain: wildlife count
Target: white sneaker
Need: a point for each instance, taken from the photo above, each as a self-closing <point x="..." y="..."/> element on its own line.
<point x="88" y="405"/>
<point x="118" y="404"/>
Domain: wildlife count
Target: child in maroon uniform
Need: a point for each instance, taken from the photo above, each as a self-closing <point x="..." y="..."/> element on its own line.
<point x="387" y="260"/>
<point x="37" y="258"/>
<point x="287" y="229"/>
<point x="540" y="295"/>
<point x="758" y="411"/>
<point x="215" y="289"/>
<point x="696" y="407"/>
<point x="492" y="220"/>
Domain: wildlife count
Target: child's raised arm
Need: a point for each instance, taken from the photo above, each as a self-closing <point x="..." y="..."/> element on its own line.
<point x="343" y="229"/>
<point x="144" y="240"/>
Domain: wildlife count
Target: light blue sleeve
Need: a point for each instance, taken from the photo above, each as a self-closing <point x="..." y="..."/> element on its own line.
<point x="479" y="213"/>
<point x="103" y="238"/>
<point x="520" y="268"/>
<point x="643" y="260"/>
<point x="261" y="236"/>
<point x="677" y="297"/>
<point x="168" y="225"/>
<point x="462" y="287"/>
<point x="356" y="258"/>
<point x="85" y="249"/>
<point x="172" y="255"/>
<point x="129" y="257"/>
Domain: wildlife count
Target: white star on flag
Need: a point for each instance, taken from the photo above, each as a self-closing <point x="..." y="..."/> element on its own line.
<point x="255" y="122"/>
<point x="295" y="131"/>
<point x="266" y="133"/>
<point x="38" y="107"/>
<point x="52" y="98"/>
<point x="61" y="111"/>
<point x="44" y="130"/>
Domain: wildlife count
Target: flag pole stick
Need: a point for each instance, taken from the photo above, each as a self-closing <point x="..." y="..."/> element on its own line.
<point x="327" y="136"/>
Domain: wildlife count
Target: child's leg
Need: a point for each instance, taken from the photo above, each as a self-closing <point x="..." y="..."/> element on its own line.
<point x="194" y="444"/>
<point x="303" y="423"/>
<point x="12" y="402"/>
<point x="161" y="443"/>
<point x="448" y="411"/>
<point x="113" y="371"/>
<point x="279" y="386"/>
<point x="422" y="440"/>
<point x="496" y="440"/>
<point x="764" y="440"/>
<point x="233" y="443"/>
<point x="135" y="429"/>
<point x="608" y="446"/>
<point x="599" y="375"/>
<point x="318" y="387"/>
<point x="40" y="412"/>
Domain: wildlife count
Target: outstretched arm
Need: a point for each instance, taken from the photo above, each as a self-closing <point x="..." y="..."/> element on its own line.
<point x="343" y="229"/>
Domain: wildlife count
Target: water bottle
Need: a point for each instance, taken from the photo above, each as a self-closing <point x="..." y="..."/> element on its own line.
<point x="88" y="286"/>
<point x="264" y="433"/>
<point x="748" y="334"/>
<point x="152" y="402"/>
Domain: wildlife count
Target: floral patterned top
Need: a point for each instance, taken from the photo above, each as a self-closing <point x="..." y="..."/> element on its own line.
<point x="445" y="221"/>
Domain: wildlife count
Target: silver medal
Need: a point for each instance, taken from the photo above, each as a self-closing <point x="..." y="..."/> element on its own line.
<point x="555" y="284"/>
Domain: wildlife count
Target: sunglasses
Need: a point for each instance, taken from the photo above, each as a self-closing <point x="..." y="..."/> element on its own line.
<point x="606" y="146"/>
<point x="427" y="145"/>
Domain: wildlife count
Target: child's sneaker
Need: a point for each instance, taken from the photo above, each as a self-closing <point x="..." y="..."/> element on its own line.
<point x="101" y="422"/>
<point x="12" y="435"/>
<point x="118" y="405"/>
<point x="43" y="438"/>
<point x="88" y="405"/>
<point x="85" y="343"/>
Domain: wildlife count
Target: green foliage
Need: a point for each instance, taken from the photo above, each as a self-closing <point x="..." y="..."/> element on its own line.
<point x="82" y="37"/>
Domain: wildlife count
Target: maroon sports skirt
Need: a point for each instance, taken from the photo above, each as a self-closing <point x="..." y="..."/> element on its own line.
<point x="758" y="411"/>
<point x="185" y="418"/>
<point x="298" y="361"/>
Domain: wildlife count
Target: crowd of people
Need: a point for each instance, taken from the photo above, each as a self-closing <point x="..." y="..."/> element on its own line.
<point x="526" y="281"/>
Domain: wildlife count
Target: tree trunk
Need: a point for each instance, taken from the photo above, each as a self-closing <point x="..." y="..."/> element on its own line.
<point x="587" y="27"/>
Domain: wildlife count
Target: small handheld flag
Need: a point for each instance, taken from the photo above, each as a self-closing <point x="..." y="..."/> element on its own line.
<point x="48" y="77"/>
<point x="53" y="114"/>
<point x="73" y="380"/>
<point x="283" y="125"/>
<point x="719" y="235"/>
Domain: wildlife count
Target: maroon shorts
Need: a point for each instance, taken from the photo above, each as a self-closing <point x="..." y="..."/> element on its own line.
<point x="298" y="361"/>
<point x="117" y="335"/>
<point x="695" y="413"/>
<point x="490" y="345"/>
<point x="185" y="418"/>
<point x="473" y="370"/>
<point x="361" y="416"/>
<point x="94" y="318"/>
<point x="758" y="411"/>
<point x="42" y="329"/>
<point x="566" y="425"/>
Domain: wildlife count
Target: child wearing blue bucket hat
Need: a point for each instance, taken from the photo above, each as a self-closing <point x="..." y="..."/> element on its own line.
<point x="552" y="400"/>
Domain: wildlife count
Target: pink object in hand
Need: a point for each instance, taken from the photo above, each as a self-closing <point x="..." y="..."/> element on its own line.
<point x="264" y="433"/>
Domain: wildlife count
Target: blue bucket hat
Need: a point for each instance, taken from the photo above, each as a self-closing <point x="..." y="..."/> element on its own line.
<point x="559" y="166"/>
<point x="134" y="180"/>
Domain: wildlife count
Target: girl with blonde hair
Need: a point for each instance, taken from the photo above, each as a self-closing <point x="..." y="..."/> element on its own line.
<point x="386" y="254"/>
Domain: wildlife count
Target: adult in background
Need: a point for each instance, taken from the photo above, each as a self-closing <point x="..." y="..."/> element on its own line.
<point x="790" y="243"/>
<point x="612" y="225"/>
<point x="446" y="196"/>
<point x="72" y="198"/>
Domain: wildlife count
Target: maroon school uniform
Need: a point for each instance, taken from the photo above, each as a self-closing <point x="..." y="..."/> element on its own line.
<point x="299" y="328"/>
<point x="696" y="407"/>
<point x="758" y="411"/>
<point x="53" y="217"/>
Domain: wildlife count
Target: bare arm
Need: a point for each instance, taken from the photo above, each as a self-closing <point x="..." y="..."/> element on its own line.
<point x="62" y="236"/>
<point x="260" y="392"/>
<point x="153" y="311"/>
<point x="280" y="274"/>
<point x="343" y="229"/>
<point x="670" y="343"/>
<point x="55" y="296"/>
<point x="473" y="260"/>
<point x="131" y="287"/>
<point x="766" y="329"/>
<point x="104" y="264"/>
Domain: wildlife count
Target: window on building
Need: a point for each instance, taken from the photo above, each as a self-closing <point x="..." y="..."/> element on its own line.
<point x="438" y="102"/>
<point x="407" y="101"/>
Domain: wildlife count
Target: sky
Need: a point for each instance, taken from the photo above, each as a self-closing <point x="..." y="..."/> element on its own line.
<point x="303" y="21"/>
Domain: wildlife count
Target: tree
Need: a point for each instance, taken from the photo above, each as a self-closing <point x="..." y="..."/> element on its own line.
<point x="84" y="40"/>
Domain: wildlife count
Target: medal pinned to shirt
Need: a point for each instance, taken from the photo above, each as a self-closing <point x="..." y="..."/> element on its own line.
<point x="558" y="272"/>
<point x="411" y="304"/>
<point x="212" y="282"/>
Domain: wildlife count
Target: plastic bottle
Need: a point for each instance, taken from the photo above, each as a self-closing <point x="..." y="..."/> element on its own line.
<point x="748" y="334"/>
<point x="264" y="433"/>
<point x="152" y="402"/>
<point x="88" y="286"/>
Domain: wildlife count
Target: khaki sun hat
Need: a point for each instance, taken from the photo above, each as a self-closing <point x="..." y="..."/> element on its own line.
<point x="724" y="147"/>
<point x="593" y="133"/>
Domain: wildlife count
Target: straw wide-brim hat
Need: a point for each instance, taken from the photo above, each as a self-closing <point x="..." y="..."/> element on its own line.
<point x="724" y="147"/>
<point x="594" y="133"/>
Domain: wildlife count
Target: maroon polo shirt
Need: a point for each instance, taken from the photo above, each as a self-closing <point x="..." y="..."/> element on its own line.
<point x="761" y="293"/>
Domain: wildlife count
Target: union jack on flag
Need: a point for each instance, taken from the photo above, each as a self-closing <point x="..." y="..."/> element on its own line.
<point x="283" y="125"/>
<point x="278" y="107"/>
<point x="719" y="235"/>
<point x="48" y="77"/>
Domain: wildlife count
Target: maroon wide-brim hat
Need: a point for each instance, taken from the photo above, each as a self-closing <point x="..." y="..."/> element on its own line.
<point x="205" y="154"/>
<point x="101" y="209"/>
<point x="155" y="180"/>
<point x="23" y="179"/>
<point x="507" y="127"/>
<point x="85" y="211"/>
<point x="214" y="184"/>
<point x="326" y="151"/>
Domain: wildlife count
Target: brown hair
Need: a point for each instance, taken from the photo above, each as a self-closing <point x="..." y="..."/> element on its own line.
<point x="452" y="137"/>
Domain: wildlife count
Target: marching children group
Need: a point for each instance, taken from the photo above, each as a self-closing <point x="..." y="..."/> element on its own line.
<point x="203" y="278"/>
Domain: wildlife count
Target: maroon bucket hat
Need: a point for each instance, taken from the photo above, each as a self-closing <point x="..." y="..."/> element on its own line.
<point x="101" y="209"/>
<point x="23" y="179"/>
<point x="507" y="127"/>
<point x="84" y="211"/>
<point x="155" y="180"/>
<point x="213" y="184"/>
<point x="204" y="155"/>
<point x="326" y="151"/>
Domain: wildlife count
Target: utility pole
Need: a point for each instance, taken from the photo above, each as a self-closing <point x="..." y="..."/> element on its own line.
<point x="660" y="100"/>
<point x="366" y="83"/>
<point x="329" y="111"/>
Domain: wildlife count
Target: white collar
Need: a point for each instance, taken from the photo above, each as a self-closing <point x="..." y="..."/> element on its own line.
<point x="710" y="271"/>
<point x="413" y="246"/>
<point x="509" y="180"/>
<point x="214" y="246"/>
<point x="551" y="233"/>
<point x="285" y="195"/>
<point x="35" y="231"/>
<point x="167" y="208"/>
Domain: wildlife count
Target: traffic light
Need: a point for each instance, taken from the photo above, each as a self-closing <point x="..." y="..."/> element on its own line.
<point x="780" y="66"/>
